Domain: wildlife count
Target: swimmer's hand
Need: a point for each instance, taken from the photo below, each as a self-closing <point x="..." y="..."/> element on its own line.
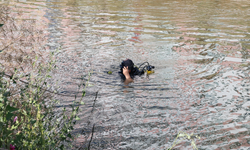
<point x="128" y="79"/>
<point x="125" y="71"/>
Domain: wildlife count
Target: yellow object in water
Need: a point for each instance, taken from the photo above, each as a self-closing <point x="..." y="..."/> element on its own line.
<point x="109" y="72"/>
<point x="149" y="72"/>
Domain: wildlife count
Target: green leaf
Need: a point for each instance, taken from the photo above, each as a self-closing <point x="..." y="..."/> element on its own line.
<point x="1" y="104"/>
<point x="77" y="118"/>
<point x="83" y="93"/>
<point x="6" y="94"/>
<point x="33" y="121"/>
<point x="71" y="128"/>
<point x="9" y="116"/>
<point x="89" y="85"/>
<point x="61" y="147"/>
<point x="69" y="135"/>
<point x="82" y="103"/>
<point x="11" y="109"/>
<point x="24" y="112"/>
<point x="13" y="127"/>
<point x="1" y="25"/>
<point x="1" y="97"/>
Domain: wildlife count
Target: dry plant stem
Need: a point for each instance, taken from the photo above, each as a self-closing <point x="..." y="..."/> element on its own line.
<point x="185" y="135"/>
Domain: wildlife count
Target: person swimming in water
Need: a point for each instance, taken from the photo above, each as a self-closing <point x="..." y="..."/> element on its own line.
<point x="128" y="71"/>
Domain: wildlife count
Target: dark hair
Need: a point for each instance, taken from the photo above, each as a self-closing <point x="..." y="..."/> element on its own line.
<point x="128" y="63"/>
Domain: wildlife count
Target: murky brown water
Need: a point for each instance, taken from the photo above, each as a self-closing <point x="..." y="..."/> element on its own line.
<point x="200" y="49"/>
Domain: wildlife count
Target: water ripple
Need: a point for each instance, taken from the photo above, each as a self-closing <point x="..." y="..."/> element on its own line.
<point x="201" y="53"/>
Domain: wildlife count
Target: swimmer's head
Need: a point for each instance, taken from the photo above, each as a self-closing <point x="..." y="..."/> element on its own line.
<point x="128" y="63"/>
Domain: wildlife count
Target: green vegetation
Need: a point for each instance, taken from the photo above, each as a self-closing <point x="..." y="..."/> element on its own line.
<point x="29" y="116"/>
<point x="28" y="119"/>
<point x="184" y="136"/>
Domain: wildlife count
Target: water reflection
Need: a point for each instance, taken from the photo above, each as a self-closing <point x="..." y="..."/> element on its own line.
<point x="200" y="50"/>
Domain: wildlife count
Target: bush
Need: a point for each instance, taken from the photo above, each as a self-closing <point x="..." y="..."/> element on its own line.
<point x="27" y="118"/>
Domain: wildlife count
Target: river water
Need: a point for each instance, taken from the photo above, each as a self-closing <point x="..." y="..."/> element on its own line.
<point x="200" y="50"/>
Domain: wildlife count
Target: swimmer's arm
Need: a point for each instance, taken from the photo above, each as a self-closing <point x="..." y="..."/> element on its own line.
<point x="127" y="76"/>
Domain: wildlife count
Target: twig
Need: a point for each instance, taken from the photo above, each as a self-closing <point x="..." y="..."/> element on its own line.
<point x="89" y="122"/>
<point x="93" y="128"/>
<point x="94" y="102"/>
<point x="6" y="47"/>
